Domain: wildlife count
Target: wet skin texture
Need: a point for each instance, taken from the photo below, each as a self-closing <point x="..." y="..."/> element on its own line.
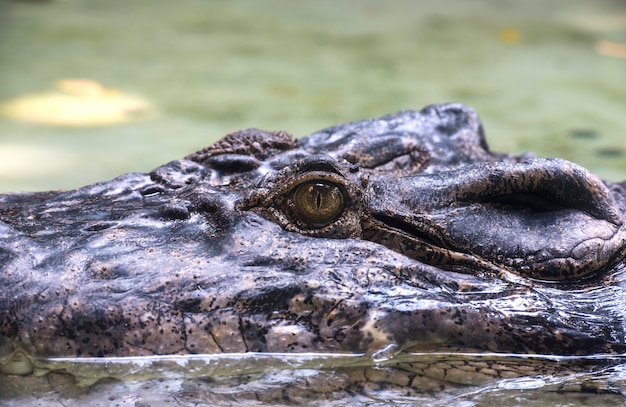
<point x="400" y="234"/>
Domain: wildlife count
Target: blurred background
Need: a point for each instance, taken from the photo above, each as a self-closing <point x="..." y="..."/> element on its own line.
<point x="90" y="89"/>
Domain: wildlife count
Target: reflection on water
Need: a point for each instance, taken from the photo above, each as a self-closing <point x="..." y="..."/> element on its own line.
<point x="321" y="379"/>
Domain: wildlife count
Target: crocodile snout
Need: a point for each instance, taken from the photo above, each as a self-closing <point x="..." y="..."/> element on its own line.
<point x="548" y="219"/>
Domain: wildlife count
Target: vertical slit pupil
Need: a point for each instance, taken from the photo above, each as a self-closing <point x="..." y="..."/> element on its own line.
<point x="317" y="203"/>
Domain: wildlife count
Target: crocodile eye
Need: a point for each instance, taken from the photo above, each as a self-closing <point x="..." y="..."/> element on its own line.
<point x="317" y="203"/>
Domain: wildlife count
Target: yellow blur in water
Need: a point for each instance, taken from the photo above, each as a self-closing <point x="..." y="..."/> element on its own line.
<point x="510" y="36"/>
<point x="78" y="102"/>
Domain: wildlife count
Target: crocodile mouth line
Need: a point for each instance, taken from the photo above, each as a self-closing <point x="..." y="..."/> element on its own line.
<point x="408" y="231"/>
<point x="405" y="239"/>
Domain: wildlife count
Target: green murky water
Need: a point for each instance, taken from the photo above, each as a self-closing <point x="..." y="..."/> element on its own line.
<point x="534" y="70"/>
<point x="530" y="68"/>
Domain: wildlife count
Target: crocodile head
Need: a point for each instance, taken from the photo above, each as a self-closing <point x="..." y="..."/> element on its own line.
<point x="397" y="235"/>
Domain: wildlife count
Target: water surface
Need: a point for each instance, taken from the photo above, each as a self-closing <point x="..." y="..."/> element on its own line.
<point x="531" y="69"/>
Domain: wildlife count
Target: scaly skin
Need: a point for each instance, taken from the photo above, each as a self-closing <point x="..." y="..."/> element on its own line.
<point x="439" y="245"/>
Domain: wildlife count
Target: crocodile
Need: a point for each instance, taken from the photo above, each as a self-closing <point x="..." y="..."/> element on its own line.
<point x="389" y="237"/>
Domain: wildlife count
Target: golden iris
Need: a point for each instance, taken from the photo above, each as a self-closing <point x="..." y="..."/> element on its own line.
<point x="317" y="203"/>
